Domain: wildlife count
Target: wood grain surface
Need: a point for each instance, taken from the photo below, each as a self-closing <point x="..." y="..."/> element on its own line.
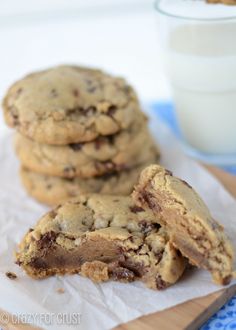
<point x="189" y="315"/>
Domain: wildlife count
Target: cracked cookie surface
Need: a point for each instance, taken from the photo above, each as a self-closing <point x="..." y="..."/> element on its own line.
<point x="53" y="190"/>
<point x="104" y="155"/>
<point x="188" y="221"/>
<point x="103" y="238"/>
<point x="70" y="104"/>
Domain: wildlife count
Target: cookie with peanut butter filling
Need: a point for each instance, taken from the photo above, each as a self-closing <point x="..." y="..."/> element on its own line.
<point x="180" y="210"/>
<point x="103" y="238"/>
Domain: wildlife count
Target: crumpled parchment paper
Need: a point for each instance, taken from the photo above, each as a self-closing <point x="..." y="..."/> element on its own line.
<point x="99" y="306"/>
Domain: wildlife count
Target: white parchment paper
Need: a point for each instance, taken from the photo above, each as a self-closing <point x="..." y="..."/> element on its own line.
<point x="100" y="306"/>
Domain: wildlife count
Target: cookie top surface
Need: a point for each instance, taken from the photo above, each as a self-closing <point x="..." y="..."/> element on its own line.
<point x="94" y="211"/>
<point x="107" y="154"/>
<point x="69" y="104"/>
<point x="187" y="219"/>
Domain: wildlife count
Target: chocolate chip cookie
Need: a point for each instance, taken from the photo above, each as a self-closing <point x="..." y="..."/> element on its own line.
<point x="70" y="104"/>
<point x="186" y="218"/>
<point x="104" y="155"/>
<point x="103" y="238"/>
<point x="53" y="190"/>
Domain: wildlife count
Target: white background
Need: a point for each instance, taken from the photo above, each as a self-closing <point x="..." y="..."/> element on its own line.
<point x="120" y="36"/>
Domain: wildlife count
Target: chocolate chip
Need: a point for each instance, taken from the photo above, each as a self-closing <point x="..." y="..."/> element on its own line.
<point x="69" y="170"/>
<point x="53" y="92"/>
<point x="136" y="209"/>
<point x="111" y="110"/>
<point x="145" y="226"/>
<point x="167" y="172"/>
<point x="107" y="176"/>
<point x="75" y="92"/>
<point x="109" y="166"/>
<point x="137" y="268"/>
<point x="14" y="116"/>
<point x="16" y="120"/>
<point x="87" y="112"/>
<point x="11" y="276"/>
<point x="98" y="143"/>
<point x="76" y="146"/>
<point x="19" y="91"/>
<point x="227" y="280"/>
<point x="121" y="273"/>
<point x="48" y="186"/>
<point x="160" y="283"/>
<point x="158" y="256"/>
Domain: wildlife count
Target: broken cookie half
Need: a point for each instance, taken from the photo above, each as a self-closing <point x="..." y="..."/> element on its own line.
<point x="103" y="238"/>
<point x="186" y="218"/>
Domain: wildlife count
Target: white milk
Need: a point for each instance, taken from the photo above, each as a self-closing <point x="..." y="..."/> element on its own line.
<point x="201" y="63"/>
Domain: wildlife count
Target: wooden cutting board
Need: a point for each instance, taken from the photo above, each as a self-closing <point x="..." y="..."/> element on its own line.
<point x="190" y="315"/>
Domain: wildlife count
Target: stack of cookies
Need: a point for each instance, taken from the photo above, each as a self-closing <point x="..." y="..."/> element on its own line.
<point x="79" y="130"/>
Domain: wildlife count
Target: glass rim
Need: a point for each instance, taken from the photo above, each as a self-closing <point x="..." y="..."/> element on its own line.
<point x="157" y="6"/>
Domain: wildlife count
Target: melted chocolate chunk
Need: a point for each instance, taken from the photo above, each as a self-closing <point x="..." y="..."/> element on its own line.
<point x="121" y="273"/>
<point x="38" y="263"/>
<point x="151" y="201"/>
<point x="47" y="240"/>
<point x="136" y="209"/>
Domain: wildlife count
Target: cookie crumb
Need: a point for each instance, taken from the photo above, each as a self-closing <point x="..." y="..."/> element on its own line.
<point x="11" y="276"/>
<point x="60" y="290"/>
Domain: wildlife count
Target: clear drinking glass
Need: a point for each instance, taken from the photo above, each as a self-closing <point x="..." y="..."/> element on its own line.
<point x="199" y="53"/>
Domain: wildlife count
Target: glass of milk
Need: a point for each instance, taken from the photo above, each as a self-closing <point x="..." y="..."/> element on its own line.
<point x="199" y="52"/>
